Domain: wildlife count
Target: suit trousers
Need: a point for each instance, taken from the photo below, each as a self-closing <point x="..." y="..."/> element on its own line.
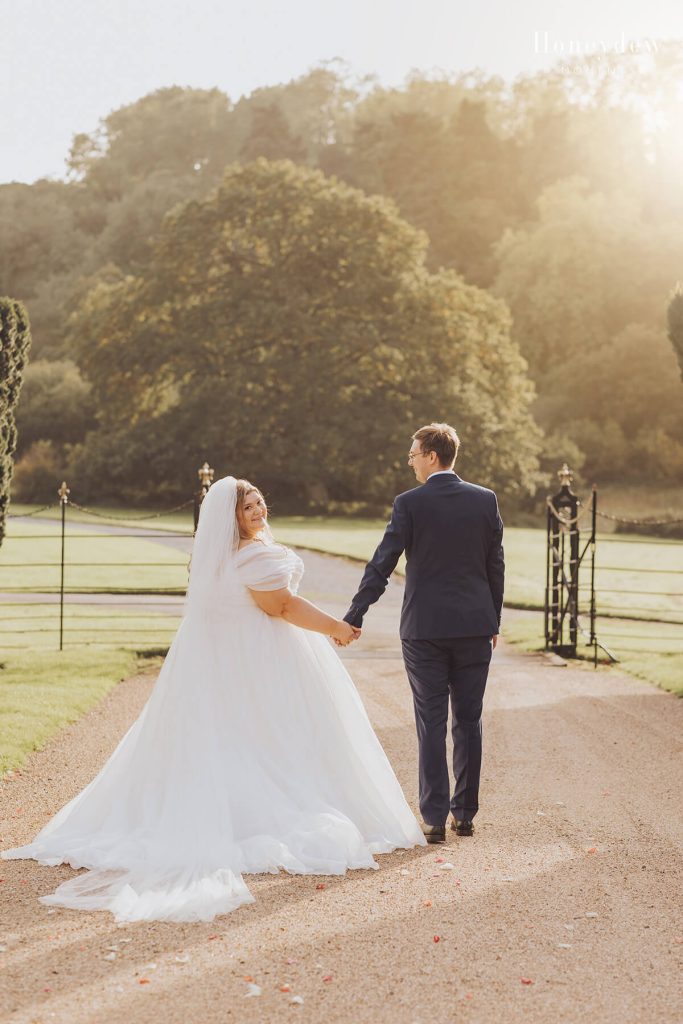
<point x="454" y="668"/>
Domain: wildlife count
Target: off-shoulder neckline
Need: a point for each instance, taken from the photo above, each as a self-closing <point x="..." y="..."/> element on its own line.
<point x="258" y="545"/>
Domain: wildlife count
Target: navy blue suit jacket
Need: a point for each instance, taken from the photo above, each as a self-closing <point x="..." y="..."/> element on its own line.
<point x="452" y="534"/>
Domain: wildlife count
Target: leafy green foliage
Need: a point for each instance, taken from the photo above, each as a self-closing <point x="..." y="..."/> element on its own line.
<point x="181" y="131"/>
<point x="585" y="318"/>
<point x="675" y="321"/>
<point x="39" y="472"/>
<point x="15" y="341"/>
<point x="288" y="326"/>
<point x="444" y="173"/>
<point x="271" y="137"/>
<point x="560" y="193"/>
<point x="56" y="404"/>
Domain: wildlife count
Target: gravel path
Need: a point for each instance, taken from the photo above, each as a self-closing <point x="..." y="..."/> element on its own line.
<point x="565" y="906"/>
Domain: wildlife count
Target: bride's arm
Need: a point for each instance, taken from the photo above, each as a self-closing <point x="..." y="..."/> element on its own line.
<point x="283" y="604"/>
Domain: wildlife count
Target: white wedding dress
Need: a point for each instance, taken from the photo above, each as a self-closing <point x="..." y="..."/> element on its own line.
<point x="254" y="753"/>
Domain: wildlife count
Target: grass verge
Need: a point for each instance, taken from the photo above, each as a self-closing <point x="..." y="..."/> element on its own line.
<point x="36" y="626"/>
<point x="663" y="669"/>
<point x="42" y="691"/>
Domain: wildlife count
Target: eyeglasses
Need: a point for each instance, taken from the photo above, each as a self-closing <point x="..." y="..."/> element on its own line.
<point x="411" y="455"/>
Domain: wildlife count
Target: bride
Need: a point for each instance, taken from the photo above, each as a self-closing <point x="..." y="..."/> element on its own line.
<point x="254" y="752"/>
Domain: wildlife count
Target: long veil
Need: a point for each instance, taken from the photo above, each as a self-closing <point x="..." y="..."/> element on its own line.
<point x="215" y="544"/>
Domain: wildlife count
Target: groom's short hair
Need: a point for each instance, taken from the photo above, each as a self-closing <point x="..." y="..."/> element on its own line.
<point x="441" y="439"/>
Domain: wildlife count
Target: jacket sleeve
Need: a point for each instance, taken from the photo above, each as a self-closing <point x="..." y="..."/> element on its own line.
<point x="495" y="563"/>
<point x="381" y="565"/>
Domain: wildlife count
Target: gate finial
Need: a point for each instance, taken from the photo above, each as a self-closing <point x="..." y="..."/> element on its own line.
<point x="565" y="475"/>
<point x="205" y="474"/>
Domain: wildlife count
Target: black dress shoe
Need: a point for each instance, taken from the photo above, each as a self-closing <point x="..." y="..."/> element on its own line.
<point x="463" y="827"/>
<point x="434" y="833"/>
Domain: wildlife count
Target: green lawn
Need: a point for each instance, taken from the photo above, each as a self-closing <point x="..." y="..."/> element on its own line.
<point x="650" y="663"/>
<point x="618" y="563"/>
<point x="31" y="552"/>
<point x="36" y="627"/>
<point x="358" y="538"/>
<point x="40" y="692"/>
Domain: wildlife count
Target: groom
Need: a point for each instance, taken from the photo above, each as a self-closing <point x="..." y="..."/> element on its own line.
<point x="452" y="534"/>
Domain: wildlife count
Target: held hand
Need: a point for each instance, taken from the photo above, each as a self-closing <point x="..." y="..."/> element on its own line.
<point x="356" y="633"/>
<point x="344" y="633"/>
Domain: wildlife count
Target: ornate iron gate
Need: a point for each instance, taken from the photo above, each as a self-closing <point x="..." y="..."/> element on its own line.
<point x="565" y="558"/>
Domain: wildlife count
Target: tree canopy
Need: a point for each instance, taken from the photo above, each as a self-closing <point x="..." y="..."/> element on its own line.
<point x="559" y="194"/>
<point x="287" y="324"/>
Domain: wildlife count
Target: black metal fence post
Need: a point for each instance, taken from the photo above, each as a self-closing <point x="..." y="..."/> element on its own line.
<point x="557" y="555"/>
<point x="594" y="519"/>
<point x="205" y="474"/>
<point x="548" y="576"/>
<point x="63" y="493"/>
<point x="574" y="563"/>
<point x="563" y="515"/>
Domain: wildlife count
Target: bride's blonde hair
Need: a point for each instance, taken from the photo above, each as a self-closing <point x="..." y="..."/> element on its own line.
<point x="244" y="487"/>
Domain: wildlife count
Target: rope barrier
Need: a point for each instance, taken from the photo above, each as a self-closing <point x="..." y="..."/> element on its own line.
<point x="640" y="522"/>
<point x="636" y="568"/>
<point x="643" y="593"/>
<point x="150" y="535"/>
<point x="81" y="565"/>
<point x="132" y="519"/>
<point x="639" y="636"/>
<point x="563" y="519"/>
<point x="25" y="515"/>
<point x="608" y="515"/>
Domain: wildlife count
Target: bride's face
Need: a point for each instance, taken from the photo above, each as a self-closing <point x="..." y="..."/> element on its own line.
<point x="252" y="514"/>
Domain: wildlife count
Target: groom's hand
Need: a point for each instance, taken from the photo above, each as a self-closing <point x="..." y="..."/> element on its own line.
<point x="494" y="640"/>
<point x="343" y="633"/>
<point x="354" y="636"/>
<point x="347" y="635"/>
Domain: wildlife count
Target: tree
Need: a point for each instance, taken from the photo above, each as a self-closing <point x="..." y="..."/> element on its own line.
<point x="560" y="193"/>
<point x="287" y="325"/>
<point x="317" y="108"/>
<point x="449" y="174"/>
<point x="39" y="235"/>
<point x="43" y="248"/>
<point x="574" y="276"/>
<point x="184" y="131"/>
<point x="627" y="415"/>
<point x="15" y="341"/>
<point x="134" y="220"/>
<point x="582" y="283"/>
<point x="38" y="472"/>
<point x="674" y="316"/>
<point x="55" y="405"/>
<point x="271" y="137"/>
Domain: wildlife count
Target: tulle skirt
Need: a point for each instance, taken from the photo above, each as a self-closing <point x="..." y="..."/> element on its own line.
<point x="254" y="753"/>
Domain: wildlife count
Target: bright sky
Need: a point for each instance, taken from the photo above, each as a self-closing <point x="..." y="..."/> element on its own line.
<point x="64" y="64"/>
